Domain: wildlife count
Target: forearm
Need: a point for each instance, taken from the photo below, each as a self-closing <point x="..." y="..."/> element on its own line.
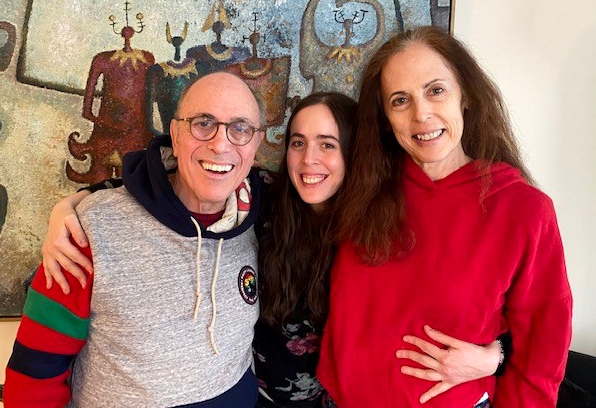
<point x="70" y="202"/>
<point x="53" y="330"/>
<point x="23" y="391"/>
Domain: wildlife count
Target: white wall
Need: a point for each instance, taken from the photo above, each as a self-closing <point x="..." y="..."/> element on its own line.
<point x="543" y="56"/>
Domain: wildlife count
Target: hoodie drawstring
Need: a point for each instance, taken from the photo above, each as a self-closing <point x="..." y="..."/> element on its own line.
<point x="213" y="283"/>
<point x="198" y="263"/>
<point x="213" y="304"/>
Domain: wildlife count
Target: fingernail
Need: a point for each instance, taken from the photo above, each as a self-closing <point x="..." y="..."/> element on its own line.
<point x="429" y="328"/>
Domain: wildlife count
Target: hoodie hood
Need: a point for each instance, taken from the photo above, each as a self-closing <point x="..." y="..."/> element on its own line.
<point x="469" y="177"/>
<point x="145" y="176"/>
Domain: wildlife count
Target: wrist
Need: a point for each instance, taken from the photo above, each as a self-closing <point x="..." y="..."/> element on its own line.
<point x="493" y="357"/>
<point x="501" y="350"/>
<point x="69" y="203"/>
<point x="506" y="348"/>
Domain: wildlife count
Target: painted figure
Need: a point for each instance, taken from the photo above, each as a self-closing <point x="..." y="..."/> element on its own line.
<point x="167" y="80"/>
<point x="336" y="67"/>
<point x="120" y="125"/>
<point x="269" y="78"/>
<point x="216" y="56"/>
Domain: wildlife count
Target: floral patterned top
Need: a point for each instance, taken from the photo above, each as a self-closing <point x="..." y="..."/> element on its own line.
<point x="286" y="360"/>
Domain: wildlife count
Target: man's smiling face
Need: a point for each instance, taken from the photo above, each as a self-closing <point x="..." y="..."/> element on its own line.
<point x="208" y="171"/>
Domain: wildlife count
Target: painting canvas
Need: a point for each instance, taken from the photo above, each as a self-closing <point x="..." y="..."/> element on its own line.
<point x="84" y="82"/>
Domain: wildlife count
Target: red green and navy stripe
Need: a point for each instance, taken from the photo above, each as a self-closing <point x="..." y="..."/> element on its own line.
<point x="52" y="314"/>
<point x="42" y="338"/>
<point x="38" y="364"/>
<point x="25" y="391"/>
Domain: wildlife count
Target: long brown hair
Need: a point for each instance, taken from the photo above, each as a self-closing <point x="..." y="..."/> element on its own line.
<point x="297" y="244"/>
<point x="373" y="215"/>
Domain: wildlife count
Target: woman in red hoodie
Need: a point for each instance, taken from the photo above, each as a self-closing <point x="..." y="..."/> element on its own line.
<point x="441" y="227"/>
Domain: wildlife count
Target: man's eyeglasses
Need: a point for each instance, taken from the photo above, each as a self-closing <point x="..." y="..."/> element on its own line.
<point x="205" y="128"/>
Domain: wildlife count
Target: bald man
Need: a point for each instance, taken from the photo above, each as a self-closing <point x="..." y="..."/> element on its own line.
<point x="167" y="317"/>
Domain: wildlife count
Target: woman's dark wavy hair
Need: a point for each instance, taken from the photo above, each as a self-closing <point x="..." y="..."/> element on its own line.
<point x="297" y="246"/>
<point x="373" y="215"/>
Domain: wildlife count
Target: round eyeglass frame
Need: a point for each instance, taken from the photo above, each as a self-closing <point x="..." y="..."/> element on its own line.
<point x="226" y="125"/>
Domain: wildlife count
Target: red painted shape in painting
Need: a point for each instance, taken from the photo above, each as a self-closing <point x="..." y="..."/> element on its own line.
<point x="120" y="126"/>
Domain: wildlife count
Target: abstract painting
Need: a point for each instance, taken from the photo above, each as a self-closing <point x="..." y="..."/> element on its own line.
<point x="84" y="82"/>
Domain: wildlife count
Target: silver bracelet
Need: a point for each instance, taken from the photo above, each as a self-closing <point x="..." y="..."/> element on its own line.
<point x="501" y="354"/>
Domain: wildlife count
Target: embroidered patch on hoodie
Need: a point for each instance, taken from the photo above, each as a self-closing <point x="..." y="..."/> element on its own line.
<point x="247" y="283"/>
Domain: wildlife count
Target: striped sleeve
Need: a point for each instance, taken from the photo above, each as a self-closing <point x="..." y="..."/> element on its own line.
<point x="53" y="329"/>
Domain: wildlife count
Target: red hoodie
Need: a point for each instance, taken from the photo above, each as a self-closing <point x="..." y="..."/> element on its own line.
<point x="473" y="267"/>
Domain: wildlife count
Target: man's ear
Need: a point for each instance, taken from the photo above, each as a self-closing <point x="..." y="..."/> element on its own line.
<point x="262" y="135"/>
<point x="258" y="137"/>
<point x="174" y="135"/>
